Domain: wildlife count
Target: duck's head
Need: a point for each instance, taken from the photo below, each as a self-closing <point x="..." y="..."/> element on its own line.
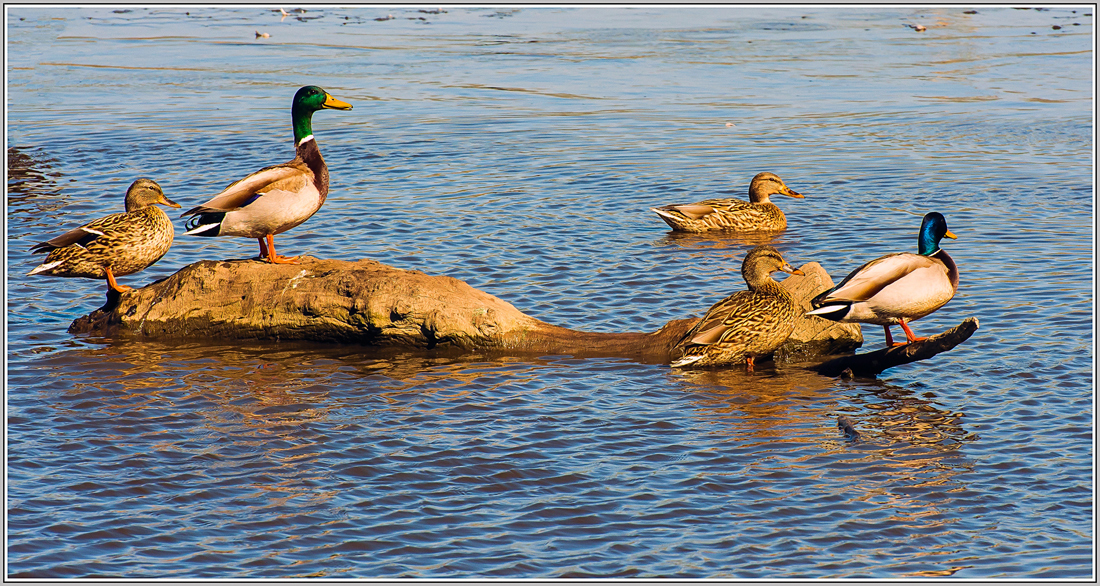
<point x="767" y="184"/>
<point x="144" y="193"/>
<point x="308" y="100"/>
<point x="932" y="230"/>
<point x="761" y="262"/>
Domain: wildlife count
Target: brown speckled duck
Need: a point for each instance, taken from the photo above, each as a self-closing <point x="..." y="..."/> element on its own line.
<point x="114" y="245"/>
<point x="758" y="214"/>
<point x="748" y="324"/>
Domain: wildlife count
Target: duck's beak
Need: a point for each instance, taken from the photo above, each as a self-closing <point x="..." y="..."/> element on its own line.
<point x="165" y="201"/>
<point x="786" y="268"/>
<point x="949" y="234"/>
<point x="333" y="103"/>
<point x="788" y="191"/>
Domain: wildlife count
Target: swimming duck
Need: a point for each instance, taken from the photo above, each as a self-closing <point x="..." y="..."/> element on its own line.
<point x="897" y="288"/>
<point x="756" y="215"/>
<point x="115" y="245"/>
<point x="277" y="198"/>
<point x="745" y="325"/>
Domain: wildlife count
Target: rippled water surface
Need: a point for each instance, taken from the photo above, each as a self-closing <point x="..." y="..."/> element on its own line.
<point x="519" y="149"/>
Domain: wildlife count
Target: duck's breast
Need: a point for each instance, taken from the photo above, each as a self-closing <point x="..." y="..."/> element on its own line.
<point x="150" y="238"/>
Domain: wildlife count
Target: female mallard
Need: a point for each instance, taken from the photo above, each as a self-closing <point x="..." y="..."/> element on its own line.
<point x="114" y="245"/>
<point x="748" y="324"/>
<point x="277" y="198"/>
<point x="897" y="288"/>
<point x="756" y="215"/>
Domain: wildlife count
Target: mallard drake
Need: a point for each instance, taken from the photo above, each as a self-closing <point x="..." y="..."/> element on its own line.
<point x="745" y="325"/>
<point x="277" y="198"/>
<point x="897" y="288"/>
<point x="756" y="215"/>
<point x="114" y="245"/>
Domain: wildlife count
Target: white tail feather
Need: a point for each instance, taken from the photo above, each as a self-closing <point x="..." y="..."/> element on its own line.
<point x="826" y="309"/>
<point x="686" y="360"/>
<point x="44" y="267"/>
<point x="201" y="229"/>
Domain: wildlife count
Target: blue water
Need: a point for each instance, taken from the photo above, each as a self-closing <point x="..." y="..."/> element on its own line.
<point x="520" y="149"/>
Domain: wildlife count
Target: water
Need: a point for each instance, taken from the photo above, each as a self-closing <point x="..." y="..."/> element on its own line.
<point x="519" y="149"/>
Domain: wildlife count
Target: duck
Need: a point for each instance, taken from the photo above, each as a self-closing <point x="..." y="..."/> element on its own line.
<point x="897" y="288"/>
<point x="115" y="245"/>
<point x="758" y="214"/>
<point x="276" y="198"/>
<point x="748" y="324"/>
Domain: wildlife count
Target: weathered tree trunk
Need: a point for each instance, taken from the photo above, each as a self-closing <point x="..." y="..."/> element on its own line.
<point x="873" y="363"/>
<point x="366" y="302"/>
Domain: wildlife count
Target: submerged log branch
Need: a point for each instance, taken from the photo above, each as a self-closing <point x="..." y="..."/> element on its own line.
<point x="873" y="363"/>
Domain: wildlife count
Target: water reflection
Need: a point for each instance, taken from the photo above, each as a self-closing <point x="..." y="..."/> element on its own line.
<point x="764" y="405"/>
<point x="31" y="174"/>
<point x="262" y="382"/>
<point x="890" y="418"/>
<point x="737" y="242"/>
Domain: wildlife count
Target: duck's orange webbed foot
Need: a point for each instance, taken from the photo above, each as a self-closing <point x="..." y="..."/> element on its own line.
<point x="267" y="250"/>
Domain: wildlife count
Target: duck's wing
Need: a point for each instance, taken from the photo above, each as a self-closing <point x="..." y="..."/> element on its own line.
<point x="84" y="235"/>
<point x="706" y="207"/>
<point x="290" y="177"/>
<point x="693" y="211"/>
<point x="864" y="282"/>
<point x="740" y="312"/>
<point x="726" y="204"/>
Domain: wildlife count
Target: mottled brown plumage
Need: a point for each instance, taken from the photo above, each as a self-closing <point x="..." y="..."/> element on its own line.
<point x="114" y="245"/>
<point x="758" y="214"/>
<point x="748" y="324"/>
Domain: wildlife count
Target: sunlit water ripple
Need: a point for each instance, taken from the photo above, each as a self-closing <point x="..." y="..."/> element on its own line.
<point x="519" y="149"/>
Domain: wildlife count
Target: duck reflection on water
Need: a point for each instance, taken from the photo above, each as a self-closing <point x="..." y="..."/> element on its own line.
<point x="890" y="419"/>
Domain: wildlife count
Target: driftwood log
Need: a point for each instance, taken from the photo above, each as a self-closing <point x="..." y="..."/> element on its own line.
<point x="369" y="303"/>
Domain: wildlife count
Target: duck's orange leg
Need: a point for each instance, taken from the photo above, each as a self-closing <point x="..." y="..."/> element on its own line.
<point x="113" y="284"/>
<point x="909" y="335"/>
<point x="890" y="338"/>
<point x="748" y="363"/>
<point x="267" y="249"/>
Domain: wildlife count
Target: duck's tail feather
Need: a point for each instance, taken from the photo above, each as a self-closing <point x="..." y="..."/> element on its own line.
<point x="206" y="224"/>
<point x="687" y="360"/>
<point x="44" y="267"/>
<point x="672" y="220"/>
<point x="834" y="310"/>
